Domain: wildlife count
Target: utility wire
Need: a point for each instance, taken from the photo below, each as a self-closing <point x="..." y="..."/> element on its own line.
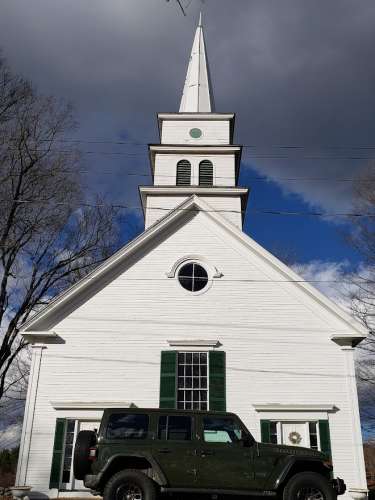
<point x="253" y="146"/>
<point x="250" y="156"/>
<point x="252" y="179"/>
<point x="254" y="210"/>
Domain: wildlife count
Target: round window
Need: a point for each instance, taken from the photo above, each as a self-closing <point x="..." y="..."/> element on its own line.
<point x="195" y="133"/>
<point x="193" y="277"/>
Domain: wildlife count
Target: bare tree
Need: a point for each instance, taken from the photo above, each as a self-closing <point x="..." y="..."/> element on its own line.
<point x="362" y="289"/>
<point x="49" y="235"/>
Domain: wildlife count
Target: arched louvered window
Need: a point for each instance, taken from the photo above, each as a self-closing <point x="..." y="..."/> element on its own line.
<point x="206" y="173"/>
<point x="183" y="177"/>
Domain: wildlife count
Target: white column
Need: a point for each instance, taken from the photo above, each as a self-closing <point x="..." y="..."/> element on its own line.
<point x="28" y="418"/>
<point x="358" y="457"/>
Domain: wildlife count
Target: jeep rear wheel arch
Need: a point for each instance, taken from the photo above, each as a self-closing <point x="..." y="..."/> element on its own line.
<point x="123" y="462"/>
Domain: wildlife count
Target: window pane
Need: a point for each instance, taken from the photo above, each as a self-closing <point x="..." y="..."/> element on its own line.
<point x="186" y="283"/>
<point x="68" y="451"/>
<point x="222" y="430"/>
<point x="179" y="428"/>
<point x="200" y="278"/>
<point x="187" y="271"/>
<point x="181" y="357"/>
<point x="127" y="426"/>
<point x="273" y="432"/>
<point x="313" y="435"/>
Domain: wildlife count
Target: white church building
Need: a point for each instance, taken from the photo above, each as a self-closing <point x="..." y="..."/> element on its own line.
<point x="192" y="314"/>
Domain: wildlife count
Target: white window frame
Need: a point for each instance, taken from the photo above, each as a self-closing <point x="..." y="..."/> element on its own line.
<point x="185" y="351"/>
<point x="279" y="429"/>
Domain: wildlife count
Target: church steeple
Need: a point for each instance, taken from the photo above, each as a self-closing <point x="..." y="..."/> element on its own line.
<point x="196" y="155"/>
<point x="197" y="95"/>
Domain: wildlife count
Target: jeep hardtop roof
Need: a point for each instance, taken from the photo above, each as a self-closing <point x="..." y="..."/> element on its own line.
<point x="167" y="410"/>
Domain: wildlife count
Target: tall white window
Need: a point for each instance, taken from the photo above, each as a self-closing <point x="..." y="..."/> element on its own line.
<point x="192" y="393"/>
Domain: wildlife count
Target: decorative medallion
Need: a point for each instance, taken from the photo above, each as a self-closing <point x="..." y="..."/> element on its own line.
<point x="295" y="437"/>
<point x="195" y="133"/>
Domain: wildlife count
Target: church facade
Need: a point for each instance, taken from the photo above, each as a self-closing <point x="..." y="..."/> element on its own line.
<point x="192" y="314"/>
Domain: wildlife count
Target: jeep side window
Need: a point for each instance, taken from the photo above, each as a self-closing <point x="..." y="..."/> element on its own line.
<point x="127" y="426"/>
<point x="222" y="430"/>
<point x="174" y="428"/>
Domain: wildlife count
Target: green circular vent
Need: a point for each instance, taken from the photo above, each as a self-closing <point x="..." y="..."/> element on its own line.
<point x="195" y="133"/>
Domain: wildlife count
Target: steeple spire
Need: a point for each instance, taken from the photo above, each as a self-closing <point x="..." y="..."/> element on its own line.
<point x="197" y="96"/>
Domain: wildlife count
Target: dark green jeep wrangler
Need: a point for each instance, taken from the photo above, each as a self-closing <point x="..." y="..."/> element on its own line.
<point x="139" y="453"/>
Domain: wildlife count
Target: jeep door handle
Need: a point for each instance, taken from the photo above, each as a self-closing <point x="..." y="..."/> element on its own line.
<point x="164" y="450"/>
<point x="204" y="453"/>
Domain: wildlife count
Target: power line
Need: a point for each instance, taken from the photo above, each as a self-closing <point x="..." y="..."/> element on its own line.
<point x="253" y="210"/>
<point x="251" y="146"/>
<point x="250" y="156"/>
<point x="252" y="179"/>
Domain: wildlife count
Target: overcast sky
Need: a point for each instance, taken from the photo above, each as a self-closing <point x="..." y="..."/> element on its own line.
<point x="297" y="73"/>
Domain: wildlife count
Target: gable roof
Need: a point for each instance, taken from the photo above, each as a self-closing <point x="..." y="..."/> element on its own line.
<point x="187" y="209"/>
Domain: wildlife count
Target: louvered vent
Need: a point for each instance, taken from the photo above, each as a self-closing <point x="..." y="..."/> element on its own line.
<point x="206" y="173"/>
<point x="183" y="177"/>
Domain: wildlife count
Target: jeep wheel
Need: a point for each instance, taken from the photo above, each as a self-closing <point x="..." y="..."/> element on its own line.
<point x="308" y="486"/>
<point x="129" y="485"/>
<point x="81" y="463"/>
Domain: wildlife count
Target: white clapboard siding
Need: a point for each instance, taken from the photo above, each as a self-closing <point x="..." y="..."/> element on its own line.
<point x="276" y="339"/>
<point x="177" y="132"/>
<point x="228" y="206"/>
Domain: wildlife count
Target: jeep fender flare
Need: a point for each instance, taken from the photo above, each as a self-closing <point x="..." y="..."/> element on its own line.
<point x="159" y="475"/>
<point x="293" y="460"/>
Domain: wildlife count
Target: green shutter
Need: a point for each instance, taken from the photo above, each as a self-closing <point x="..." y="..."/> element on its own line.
<point x="325" y="439"/>
<point x="168" y="379"/>
<point x="57" y="457"/>
<point x="217" y="389"/>
<point x="265" y="431"/>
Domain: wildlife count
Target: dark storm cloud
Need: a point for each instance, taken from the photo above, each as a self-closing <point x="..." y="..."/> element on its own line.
<point x="296" y="72"/>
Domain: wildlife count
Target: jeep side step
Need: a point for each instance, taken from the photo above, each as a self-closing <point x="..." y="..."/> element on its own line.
<point x="210" y="491"/>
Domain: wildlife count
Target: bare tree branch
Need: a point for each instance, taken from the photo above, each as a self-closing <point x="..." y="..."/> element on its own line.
<point x="47" y="246"/>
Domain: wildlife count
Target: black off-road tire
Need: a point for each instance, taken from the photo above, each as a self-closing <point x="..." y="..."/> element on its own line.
<point x="81" y="463"/>
<point x="308" y="481"/>
<point x="129" y="478"/>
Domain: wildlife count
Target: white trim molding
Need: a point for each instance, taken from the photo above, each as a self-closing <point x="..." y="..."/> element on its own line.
<point x="90" y="405"/>
<point x="194" y="343"/>
<point x="294" y="407"/>
<point x="215" y="273"/>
